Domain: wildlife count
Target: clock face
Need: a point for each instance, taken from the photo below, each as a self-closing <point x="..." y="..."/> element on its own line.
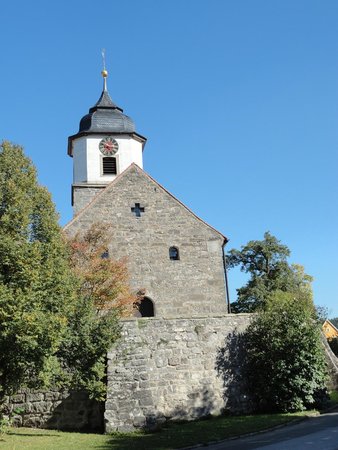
<point x="108" y="146"/>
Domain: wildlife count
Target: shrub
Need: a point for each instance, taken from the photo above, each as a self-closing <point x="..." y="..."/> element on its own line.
<point x="285" y="362"/>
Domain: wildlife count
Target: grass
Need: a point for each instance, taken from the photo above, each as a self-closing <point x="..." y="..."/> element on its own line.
<point x="36" y="439"/>
<point x="170" y="437"/>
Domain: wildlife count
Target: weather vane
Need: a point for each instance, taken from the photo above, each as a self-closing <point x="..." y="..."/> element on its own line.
<point x="103" y="53"/>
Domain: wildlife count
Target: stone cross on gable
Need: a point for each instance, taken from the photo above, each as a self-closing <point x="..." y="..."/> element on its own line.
<point x="137" y="210"/>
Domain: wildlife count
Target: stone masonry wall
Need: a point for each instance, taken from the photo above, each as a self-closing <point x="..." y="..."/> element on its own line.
<point x="61" y="410"/>
<point x="174" y="369"/>
<point x="192" y="286"/>
<point x="332" y="364"/>
<point x="82" y="195"/>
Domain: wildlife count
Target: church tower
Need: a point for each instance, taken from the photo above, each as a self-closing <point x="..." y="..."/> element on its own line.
<point x="105" y="145"/>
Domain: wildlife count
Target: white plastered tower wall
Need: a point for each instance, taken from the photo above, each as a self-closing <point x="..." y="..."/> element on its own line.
<point x="87" y="159"/>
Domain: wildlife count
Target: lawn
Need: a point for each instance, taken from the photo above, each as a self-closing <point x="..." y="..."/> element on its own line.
<point x="171" y="437"/>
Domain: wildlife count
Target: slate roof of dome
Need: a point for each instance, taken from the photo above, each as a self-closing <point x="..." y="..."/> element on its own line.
<point x="104" y="117"/>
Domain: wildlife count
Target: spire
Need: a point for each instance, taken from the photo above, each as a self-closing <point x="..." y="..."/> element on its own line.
<point x="105" y="117"/>
<point x="105" y="100"/>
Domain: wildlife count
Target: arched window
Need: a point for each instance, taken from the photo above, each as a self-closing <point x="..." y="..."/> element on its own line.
<point x="174" y="254"/>
<point x="145" y="308"/>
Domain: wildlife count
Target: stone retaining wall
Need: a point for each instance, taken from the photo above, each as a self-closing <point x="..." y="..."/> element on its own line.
<point x="332" y="363"/>
<point x="174" y="369"/>
<point x="57" y="410"/>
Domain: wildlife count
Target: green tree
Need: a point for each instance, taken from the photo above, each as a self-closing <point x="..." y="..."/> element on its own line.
<point x="56" y="322"/>
<point x="36" y="287"/>
<point x="266" y="263"/>
<point x="285" y="362"/>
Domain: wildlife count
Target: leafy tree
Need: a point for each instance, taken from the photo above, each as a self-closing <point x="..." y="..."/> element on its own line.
<point x="266" y="262"/>
<point x="103" y="296"/>
<point x="36" y="286"/>
<point x="57" y="318"/>
<point x="102" y="279"/>
<point x="285" y="362"/>
<point x="322" y="313"/>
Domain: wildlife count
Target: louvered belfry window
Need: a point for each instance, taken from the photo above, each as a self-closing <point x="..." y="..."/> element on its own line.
<point x="109" y="165"/>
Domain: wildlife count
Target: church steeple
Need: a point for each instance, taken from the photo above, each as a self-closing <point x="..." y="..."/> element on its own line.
<point x="105" y="117"/>
<point x="105" y="145"/>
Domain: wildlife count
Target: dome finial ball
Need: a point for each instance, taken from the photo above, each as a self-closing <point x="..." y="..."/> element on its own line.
<point x="104" y="73"/>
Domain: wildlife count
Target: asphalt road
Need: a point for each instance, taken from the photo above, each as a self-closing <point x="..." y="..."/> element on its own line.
<point x="315" y="433"/>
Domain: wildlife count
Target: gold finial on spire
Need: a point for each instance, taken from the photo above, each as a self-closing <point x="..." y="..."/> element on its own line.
<point x="104" y="71"/>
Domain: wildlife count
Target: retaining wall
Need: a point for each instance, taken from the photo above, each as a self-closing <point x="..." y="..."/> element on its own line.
<point x="174" y="369"/>
<point x="57" y="410"/>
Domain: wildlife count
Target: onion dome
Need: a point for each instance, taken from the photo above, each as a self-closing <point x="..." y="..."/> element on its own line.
<point x="105" y="117"/>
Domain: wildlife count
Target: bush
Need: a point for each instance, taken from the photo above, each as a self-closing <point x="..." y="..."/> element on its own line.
<point x="285" y="363"/>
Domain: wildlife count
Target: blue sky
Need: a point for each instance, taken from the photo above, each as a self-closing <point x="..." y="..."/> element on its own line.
<point x="238" y="100"/>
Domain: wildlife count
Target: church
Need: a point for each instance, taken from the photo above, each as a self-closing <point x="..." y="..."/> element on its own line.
<point x="164" y="367"/>
<point x="180" y="356"/>
<point x="173" y="255"/>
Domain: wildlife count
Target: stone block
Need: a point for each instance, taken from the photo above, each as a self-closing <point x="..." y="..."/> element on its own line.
<point x="17" y="421"/>
<point x="41" y="407"/>
<point x="32" y="421"/>
<point x="144" y="376"/>
<point x="24" y="407"/>
<point x="35" y="397"/>
<point x="52" y="396"/>
<point x="174" y="361"/>
<point x="17" y="398"/>
<point x="146" y="401"/>
<point x="139" y="421"/>
<point x="161" y="362"/>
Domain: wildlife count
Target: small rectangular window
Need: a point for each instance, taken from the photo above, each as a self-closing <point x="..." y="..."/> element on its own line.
<point x="105" y="254"/>
<point x="109" y="165"/>
<point x="174" y="254"/>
